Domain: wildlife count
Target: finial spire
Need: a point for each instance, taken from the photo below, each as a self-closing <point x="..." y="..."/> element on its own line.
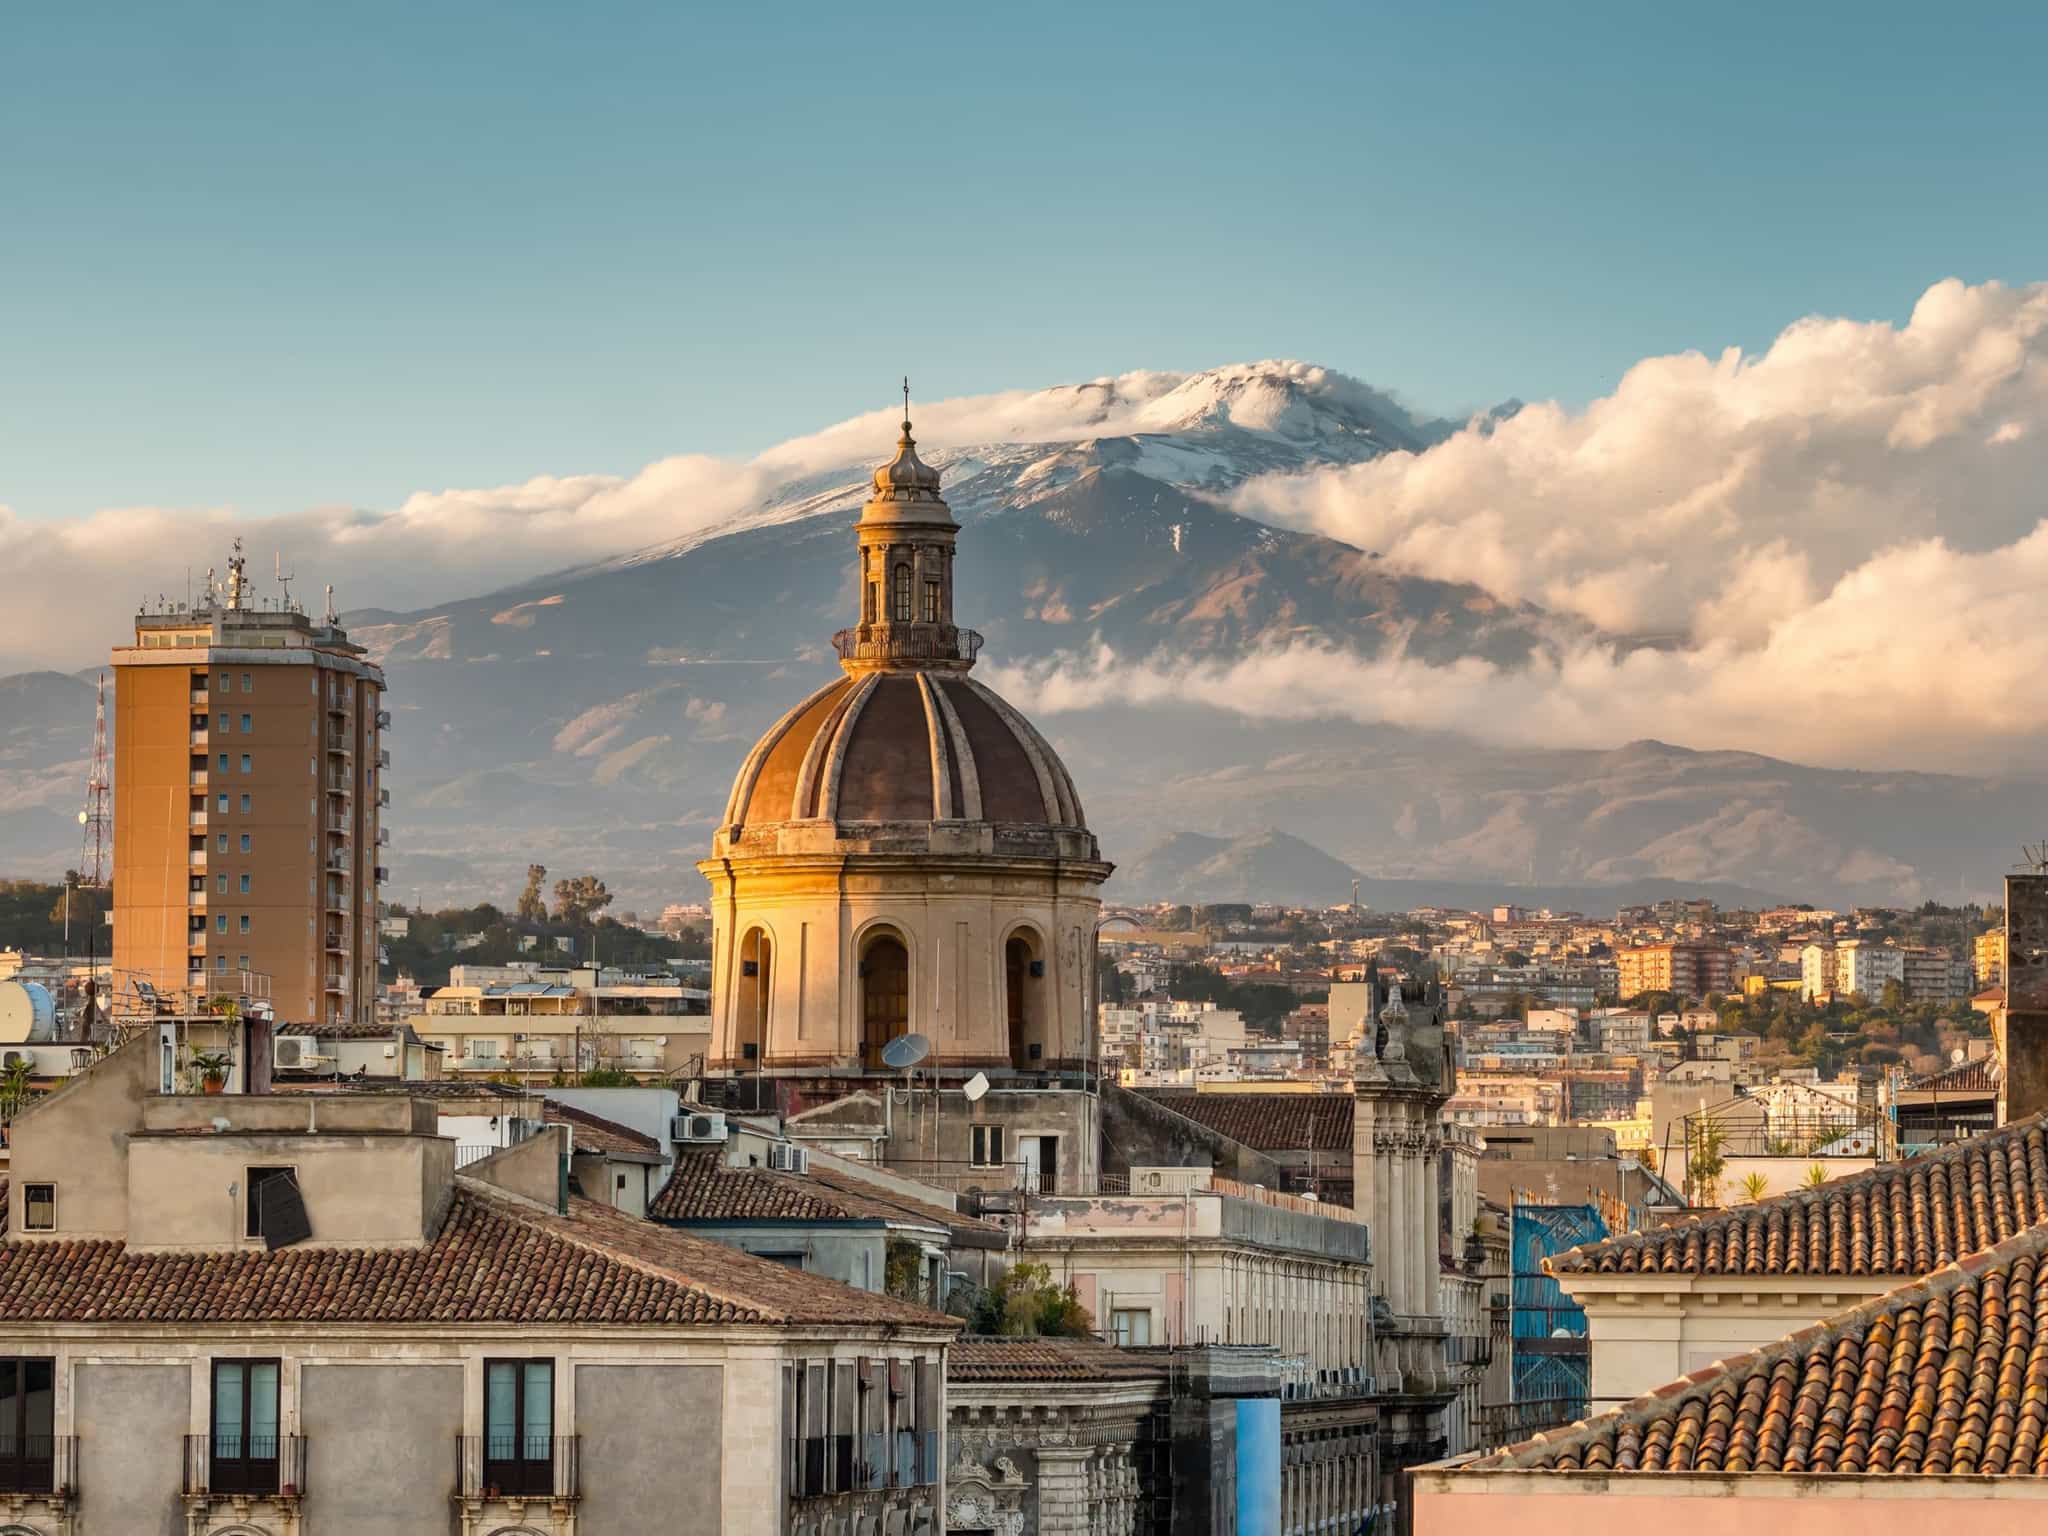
<point x="906" y="405"/>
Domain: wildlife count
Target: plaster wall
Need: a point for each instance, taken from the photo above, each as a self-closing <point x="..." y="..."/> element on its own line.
<point x="372" y="1191"/>
<point x="379" y="1453"/>
<point x="663" y="1423"/>
<point x="131" y="1421"/>
<point x="77" y="1138"/>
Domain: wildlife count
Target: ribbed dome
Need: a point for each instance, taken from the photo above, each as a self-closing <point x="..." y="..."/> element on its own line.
<point x="905" y="746"/>
<point x="906" y="477"/>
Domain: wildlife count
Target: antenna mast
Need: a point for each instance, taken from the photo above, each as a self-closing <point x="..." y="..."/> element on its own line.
<point x="284" y="578"/>
<point x="96" y="823"/>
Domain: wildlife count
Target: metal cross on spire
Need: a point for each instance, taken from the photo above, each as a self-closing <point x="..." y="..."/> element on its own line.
<point x="906" y="402"/>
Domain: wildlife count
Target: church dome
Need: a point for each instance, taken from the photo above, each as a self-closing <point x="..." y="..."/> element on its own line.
<point x="898" y="746"/>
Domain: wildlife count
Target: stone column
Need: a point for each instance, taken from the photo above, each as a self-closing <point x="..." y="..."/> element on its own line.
<point x="1063" y="1495"/>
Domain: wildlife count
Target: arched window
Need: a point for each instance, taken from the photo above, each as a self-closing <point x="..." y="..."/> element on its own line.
<point x="1024" y="1000"/>
<point x="901" y="611"/>
<point x="751" y="998"/>
<point x="884" y="995"/>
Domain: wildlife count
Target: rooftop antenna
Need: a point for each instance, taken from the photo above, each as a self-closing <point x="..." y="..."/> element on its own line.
<point x="284" y="578"/>
<point x="2034" y="857"/>
<point x="236" y="566"/>
<point x="96" y="822"/>
<point x="330" y="605"/>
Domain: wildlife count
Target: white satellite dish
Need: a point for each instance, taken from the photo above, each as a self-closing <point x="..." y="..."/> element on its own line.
<point x="977" y="1085"/>
<point x="905" y="1051"/>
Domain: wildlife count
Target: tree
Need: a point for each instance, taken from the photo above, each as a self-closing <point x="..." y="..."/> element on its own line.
<point x="1754" y="1187"/>
<point x="14" y="1090"/>
<point x="578" y="901"/>
<point x="1894" y="995"/>
<point x="1026" y="1303"/>
<point x="1705" y="1139"/>
<point x="532" y="907"/>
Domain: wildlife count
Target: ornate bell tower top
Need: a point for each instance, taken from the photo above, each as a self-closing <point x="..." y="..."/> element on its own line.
<point x="905" y="573"/>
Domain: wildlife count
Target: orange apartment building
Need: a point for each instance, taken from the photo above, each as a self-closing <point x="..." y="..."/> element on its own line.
<point x="1689" y="970"/>
<point x="248" y="781"/>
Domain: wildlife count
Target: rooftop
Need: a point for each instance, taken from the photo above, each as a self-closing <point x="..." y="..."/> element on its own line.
<point x="977" y="1359"/>
<point x="1903" y="1218"/>
<point x="494" y="1258"/>
<point x="1947" y="1374"/>
<point x="594" y="1133"/>
<point x="704" y="1188"/>
<point x="1268" y="1122"/>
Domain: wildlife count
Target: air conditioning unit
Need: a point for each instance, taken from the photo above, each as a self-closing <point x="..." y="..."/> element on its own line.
<point x="697" y="1127"/>
<point x="294" y="1053"/>
<point x="390" y="1051"/>
<point x="784" y="1158"/>
<point x="17" y="1058"/>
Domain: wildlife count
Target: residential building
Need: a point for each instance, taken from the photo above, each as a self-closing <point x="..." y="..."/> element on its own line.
<point x="243" y="1312"/>
<point x="1308" y="1135"/>
<point x="1663" y="1303"/>
<point x="534" y="1022"/>
<point x="1817" y="972"/>
<point x="1989" y="952"/>
<point x="1688" y="970"/>
<point x="1933" y="975"/>
<point x="1862" y="967"/>
<point x="249" y="783"/>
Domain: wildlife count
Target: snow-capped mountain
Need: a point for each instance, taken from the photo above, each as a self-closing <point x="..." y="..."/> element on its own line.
<point x="593" y="719"/>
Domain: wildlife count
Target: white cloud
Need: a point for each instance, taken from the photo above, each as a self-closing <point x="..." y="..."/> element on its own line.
<point x="1923" y="656"/>
<point x="1715" y="497"/>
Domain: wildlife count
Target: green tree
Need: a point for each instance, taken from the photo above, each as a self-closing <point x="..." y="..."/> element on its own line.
<point x="533" y="907"/>
<point x="578" y="901"/>
<point x="1754" y="1187"/>
<point x="15" y="1091"/>
<point x="1026" y="1303"/>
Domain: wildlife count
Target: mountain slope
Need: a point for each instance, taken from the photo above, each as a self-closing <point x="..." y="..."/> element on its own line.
<point x="593" y="719"/>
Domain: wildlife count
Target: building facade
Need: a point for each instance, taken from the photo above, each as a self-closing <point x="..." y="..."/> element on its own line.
<point x="249" y="785"/>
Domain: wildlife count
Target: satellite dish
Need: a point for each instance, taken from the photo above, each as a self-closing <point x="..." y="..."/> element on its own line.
<point x="905" y="1051"/>
<point x="977" y="1085"/>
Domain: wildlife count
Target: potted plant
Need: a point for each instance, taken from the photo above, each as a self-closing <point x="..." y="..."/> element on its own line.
<point x="212" y="1069"/>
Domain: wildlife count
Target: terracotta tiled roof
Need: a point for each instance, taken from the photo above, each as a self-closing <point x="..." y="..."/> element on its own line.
<point x="1903" y="1218"/>
<point x="494" y="1259"/>
<point x="995" y="1360"/>
<point x="703" y="1188"/>
<point x="594" y="1133"/>
<point x="1944" y="1375"/>
<point x="1268" y="1122"/>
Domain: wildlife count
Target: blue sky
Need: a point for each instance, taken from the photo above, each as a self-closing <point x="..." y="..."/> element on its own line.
<point x="274" y="257"/>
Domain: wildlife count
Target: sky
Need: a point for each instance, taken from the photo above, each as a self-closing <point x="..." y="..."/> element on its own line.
<point x="272" y="259"/>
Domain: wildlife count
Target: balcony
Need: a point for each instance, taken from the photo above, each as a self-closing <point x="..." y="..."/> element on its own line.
<point x="383" y="798"/>
<point x="198" y="778"/>
<point x="200" y="699"/>
<point x="197" y="858"/>
<point x="196" y="897"/>
<point x="337" y="941"/>
<point x="334" y="983"/>
<point x="383" y="759"/>
<point x="383" y="719"/>
<point x="340" y="741"/>
<point x="39" y="1464"/>
<point x="491" y="1467"/>
<point x="197" y="818"/>
<point x="382" y="875"/>
<point x="198" y="737"/>
<point x="907" y="642"/>
<point x="383" y="837"/>
<point x="245" y="1466"/>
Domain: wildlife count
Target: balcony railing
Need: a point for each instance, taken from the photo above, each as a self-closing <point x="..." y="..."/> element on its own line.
<point x="199" y="737"/>
<point x="45" y="1464"/>
<point x="198" y="778"/>
<point x="907" y="642"/>
<point x="383" y="759"/>
<point x="198" y="818"/>
<point x="383" y="719"/>
<point x="245" y="1466"/>
<point x="516" y="1466"/>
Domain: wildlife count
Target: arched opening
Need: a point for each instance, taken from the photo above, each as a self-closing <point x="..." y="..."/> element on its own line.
<point x="1024" y="999"/>
<point x="884" y="994"/>
<point x="752" y="997"/>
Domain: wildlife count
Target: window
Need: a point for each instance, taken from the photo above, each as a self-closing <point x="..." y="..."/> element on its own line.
<point x="871" y="600"/>
<point x="263" y="1202"/>
<point x="223" y="762"/>
<point x="226" y="724"/>
<point x="245" y="762"/>
<point x="931" y="602"/>
<point x="220" y="923"/>
<point x="483" y="1050"/>
<point x="220" y="884"/>
<point x="988" y="1146"/>
<point x="246" y="726"/>
<point x="519" y="1426"/>
<point x="248" y="682"/>
<point x="28" y="1423"/>
<point x="245" y="885"/>
<point x="243" y="1441"/>
<point x="39" y="1213"/>
<point x="220" y="962"/>
<point x="1131" y="1327"/>
<point x="223" y="805"/>
<point x="245" y="842"/>
<point x="245" y="916"/>
<point x="245" y="803"/>
<point x="900" y="609"/>
<point x="243" y="961"/>
<point x="222" y="842"/>
<point x="226" y="682"/>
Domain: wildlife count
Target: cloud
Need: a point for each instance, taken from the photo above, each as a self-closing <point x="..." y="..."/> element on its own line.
<point x="76" y="582"/>
<point x="1922" y="656"/>
<point x="1715" y="497"/>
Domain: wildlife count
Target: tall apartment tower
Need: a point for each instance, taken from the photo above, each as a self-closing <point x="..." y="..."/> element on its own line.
<point x="248" y="783"/>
